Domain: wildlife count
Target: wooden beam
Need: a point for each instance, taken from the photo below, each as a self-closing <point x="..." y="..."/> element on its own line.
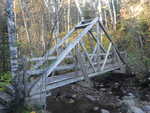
<point x="63" y="68"/>
<point x="62" y="80"/>
<point x="106" y="57"/>
<point x="51" y="51"/>
<point x="64" y="53"/>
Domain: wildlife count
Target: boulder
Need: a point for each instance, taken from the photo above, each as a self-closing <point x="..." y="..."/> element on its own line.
<point x="146" y="108"/>
<point x="134" y="109"/>
<point x="96" y="108"/>
<point x="104" y="111"/>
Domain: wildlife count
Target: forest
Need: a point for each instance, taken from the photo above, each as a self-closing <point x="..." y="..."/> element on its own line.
<point x="74" y="56"/>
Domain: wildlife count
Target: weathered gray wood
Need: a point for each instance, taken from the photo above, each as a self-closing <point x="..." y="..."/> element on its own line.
<point x="81" y="26"/>
<point x="67" y="67"/>
<point x="62" y="80"/>
<point x="97" y="41"/>
<point x="70" y="47"/>
<point x="51" y="51"/>
<point x="106" y="57"/>
<point x="87" y="55"/>
<point x="37" y="59"/>
<point x="59" y="68"/>
<point x="83" y="67"/>
<point x="102" y="64"/>
<point x="94" y="52"/>
<point x="109" y="38"/>
<point x="86" y="21"/>
<point x="68" y="50"/>
<point x="42" y="58"/>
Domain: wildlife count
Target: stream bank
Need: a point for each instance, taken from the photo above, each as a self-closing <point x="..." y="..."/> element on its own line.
<point x="109" y="95"/>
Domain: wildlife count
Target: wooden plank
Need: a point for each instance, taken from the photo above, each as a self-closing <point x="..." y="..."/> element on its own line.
<point x="97" y="41"/>
<point x="87" y="55"/>
<point x="69" y="48"/>
<point x="61" y="68"/>
<point x="81" y="26"/>
<point x="94" y="52"/>
<point x="51" y="51"/>
<point x="109" y="38"/>
<point x="37" y="59"/>
<point x="83" y="67"/>
<point x="86" y="21"/>
<point x="106" y="57"/>
<point x="42" y="58"/>
<point x="67" y="57"/>
<point x="63" y="80"/>
<point x="64" y="53"/>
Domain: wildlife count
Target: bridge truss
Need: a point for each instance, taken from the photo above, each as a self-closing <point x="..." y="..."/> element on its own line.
<point x="72" y="59"/>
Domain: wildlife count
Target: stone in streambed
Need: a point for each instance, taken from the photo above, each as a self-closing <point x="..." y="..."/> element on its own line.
<point x="134" y="109"/>
<point x="146" y="108"/>
<point x="96" y="108"/>
<point x="104" y="111"/>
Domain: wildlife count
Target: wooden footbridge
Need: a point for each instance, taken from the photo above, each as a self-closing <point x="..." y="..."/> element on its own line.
<point x="71" y="60"/>
<point x="74" y="62"/>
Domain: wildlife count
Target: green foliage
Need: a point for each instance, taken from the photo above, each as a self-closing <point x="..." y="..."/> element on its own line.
<point x="5" y="79"/>
<point x="27" y="110"/>
<point x="128" y="34"/>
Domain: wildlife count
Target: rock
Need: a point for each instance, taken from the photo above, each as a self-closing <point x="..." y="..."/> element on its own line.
<point x="88" y="84"/>
<point x="96" y="108"/>
<point x="146" y="108"/>
<point x="74" y="96"/>
<point x="110" y="92"/>
<point x="131" y="95"/>
<point x="116" y="84"/>
<point x="104" y="111"/>
<point x="103" y="89"/>
<point x="128" y="102"/>
<point x="71" y="101"/>
<point x="134" y="109"/>
<point x="101" y="85"/>
<point x="90" y="97"/>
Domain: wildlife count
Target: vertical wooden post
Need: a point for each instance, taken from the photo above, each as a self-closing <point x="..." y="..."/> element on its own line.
<point x="12" y="37"/>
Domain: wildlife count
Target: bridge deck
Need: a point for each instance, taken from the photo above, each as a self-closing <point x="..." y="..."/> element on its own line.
<point x="68" y="78"/>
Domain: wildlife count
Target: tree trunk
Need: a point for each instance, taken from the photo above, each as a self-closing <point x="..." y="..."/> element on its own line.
<point x="79" y="9"/>
<point x="68" y="15"/>
<point x="115" y="15"/>
<point x="12" y="38"/>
